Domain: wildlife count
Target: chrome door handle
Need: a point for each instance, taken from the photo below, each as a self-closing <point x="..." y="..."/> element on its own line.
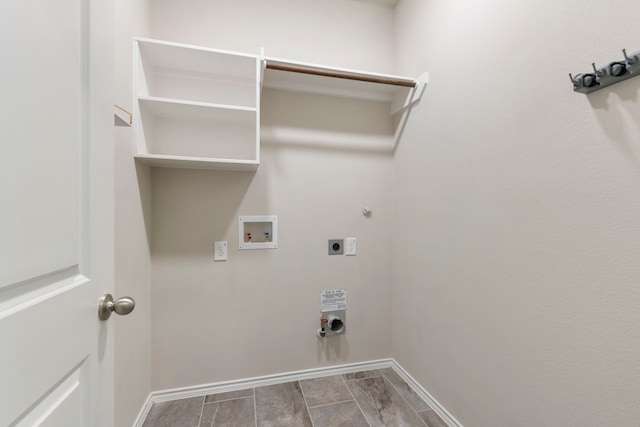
<point x="121" y="306"/>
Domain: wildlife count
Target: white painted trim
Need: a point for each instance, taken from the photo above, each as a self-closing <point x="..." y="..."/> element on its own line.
<point x="426" y="396"/>
<point x="226" y="386"/>
<point x="145" y="40"/>
<point x="144" y="411"/>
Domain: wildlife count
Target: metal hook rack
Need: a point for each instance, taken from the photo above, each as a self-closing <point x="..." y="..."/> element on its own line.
<point x="610" y="74"/>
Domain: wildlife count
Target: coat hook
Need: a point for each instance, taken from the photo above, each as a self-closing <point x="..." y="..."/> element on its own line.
<point x="610" y="74"/>
<point x="631" y="60"/>
<point x="618" y="69"/>
<point x="590" y="80"/>
<point x="596" y="71"/>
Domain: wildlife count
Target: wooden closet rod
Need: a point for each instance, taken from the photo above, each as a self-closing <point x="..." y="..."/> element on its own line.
<point x="272" y="65"/>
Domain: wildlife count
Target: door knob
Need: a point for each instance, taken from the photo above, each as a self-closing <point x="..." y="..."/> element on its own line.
<point x="121" y="306"/>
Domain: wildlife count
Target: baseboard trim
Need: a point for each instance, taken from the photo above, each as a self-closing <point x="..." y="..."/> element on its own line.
<point x="144" y="411"/>
<point x="426" y="396"/>
<point x="226" y="386"/>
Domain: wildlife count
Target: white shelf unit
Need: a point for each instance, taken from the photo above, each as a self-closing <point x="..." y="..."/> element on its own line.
<point x="200" y="108"/>
<point x="197" y="107"/>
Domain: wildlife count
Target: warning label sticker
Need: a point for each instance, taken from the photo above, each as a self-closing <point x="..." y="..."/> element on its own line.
<point x="333" y="300"/>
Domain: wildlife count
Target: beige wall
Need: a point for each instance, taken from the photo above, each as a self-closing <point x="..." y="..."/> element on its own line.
<point x="342" y="33"/>
<point x="132" y="220"/>
<point x="517" y="213"/>
<point x="323" y="161"/>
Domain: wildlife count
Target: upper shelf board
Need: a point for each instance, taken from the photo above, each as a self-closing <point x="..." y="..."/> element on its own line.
<point x="162" y="56"/>
<point x="284" y="74"/>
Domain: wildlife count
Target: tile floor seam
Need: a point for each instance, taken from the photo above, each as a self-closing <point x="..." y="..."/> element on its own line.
<point x="204" y="398"/>
<point x="332" y="403"/>
<point x="358" y="379"/>
<point x="215" y="414"/>
<point x="306" y="404"/>
<point x="356" y="400"/>
<point x="403" y="398"/>
<point x="233" y="398"/>
<point x="255" y="408"/>
<point x="228" y="400"/>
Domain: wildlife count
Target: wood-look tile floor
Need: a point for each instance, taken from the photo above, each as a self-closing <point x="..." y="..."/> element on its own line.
<point x="369" y="399"/>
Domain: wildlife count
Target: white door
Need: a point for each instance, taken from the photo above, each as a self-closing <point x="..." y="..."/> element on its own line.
<point x="56" y="204"/>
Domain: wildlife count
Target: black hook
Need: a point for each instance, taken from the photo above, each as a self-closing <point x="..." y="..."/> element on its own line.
<point x="589" y="80"/>
<point x="617" y="69"/>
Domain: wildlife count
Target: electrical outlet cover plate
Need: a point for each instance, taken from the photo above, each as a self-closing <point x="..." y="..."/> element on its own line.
<point x="350" y="246"/>
<point x="220" y="251"/>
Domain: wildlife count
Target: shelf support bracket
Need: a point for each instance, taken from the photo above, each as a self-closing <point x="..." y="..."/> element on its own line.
<point x="122" y="117"/>
<point x="407" y="99"/>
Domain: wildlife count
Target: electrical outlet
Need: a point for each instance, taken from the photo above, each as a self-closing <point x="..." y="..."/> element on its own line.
<point x="220" y="251"/>
<point x="336" y="247"/>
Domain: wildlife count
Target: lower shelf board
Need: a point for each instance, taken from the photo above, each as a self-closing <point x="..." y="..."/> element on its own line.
<point x="160" y="160"/>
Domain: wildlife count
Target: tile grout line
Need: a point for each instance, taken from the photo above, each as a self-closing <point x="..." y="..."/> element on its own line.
<point x="306" y="405"/>
<point x="332" y="403"/>
<point x="255" y="408"/>
<point x="405" y="400"/>
<point x="344" y="380"/>
<point x="228" y="400"/>
<point x="365" y="378"/>
<point x="215" y="414"/>
<point x="201" y="410"/>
